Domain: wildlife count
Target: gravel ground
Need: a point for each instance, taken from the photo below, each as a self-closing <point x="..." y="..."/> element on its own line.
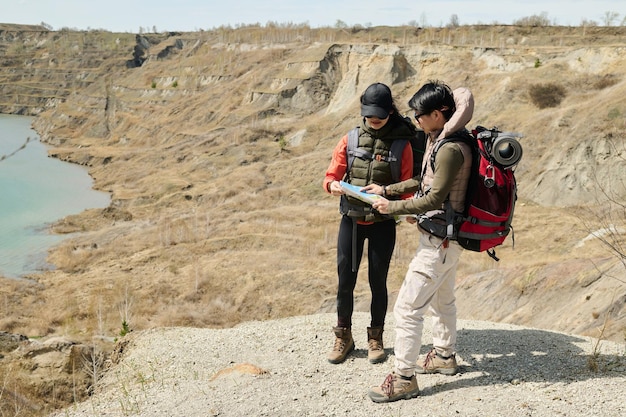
<point x="279" y="368"/>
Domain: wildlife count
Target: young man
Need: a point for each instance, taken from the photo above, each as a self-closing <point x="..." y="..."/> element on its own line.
<point x="429" y="281"/>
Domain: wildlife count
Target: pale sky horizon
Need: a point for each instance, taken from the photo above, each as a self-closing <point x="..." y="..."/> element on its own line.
<point x="194" y="15"/>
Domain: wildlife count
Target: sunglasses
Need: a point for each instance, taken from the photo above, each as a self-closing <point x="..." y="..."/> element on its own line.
<point x="417" y="116"/>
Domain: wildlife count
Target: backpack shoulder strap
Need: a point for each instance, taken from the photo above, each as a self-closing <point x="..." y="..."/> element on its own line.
<point x="468" y="138"/>
<point x="353" y="150"/>
<point x="460" y="136"/>
<point x="395" y="160"/>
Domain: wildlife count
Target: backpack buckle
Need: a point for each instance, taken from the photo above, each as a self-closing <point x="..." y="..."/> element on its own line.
<point x="489" y="176"/>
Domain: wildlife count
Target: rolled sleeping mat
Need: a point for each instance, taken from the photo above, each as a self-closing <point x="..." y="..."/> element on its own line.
<point x="506" y="149"/>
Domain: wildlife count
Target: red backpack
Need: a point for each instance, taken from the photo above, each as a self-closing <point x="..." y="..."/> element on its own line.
<point x="491" y="193"/>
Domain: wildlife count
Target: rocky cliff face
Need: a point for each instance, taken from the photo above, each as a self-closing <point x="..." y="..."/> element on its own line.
<point x="267" y="78"/>
<point x="214" y="145"/>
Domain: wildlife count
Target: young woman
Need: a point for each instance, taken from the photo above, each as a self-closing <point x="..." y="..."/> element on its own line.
<point x="381" y="125"/>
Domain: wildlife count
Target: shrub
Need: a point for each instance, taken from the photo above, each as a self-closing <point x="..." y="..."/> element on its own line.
<point x="125" y="329"/>
<point x="535" y="20"/>
<point x="614" y="114"/>
<point x="546" y="95"/>
<point x="282" y="143"/>
<point x="605" y="81"/>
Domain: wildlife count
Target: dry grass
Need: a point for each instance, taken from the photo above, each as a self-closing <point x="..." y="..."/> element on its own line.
<point x="210" y="204"/>
<point x="218" y="217"/>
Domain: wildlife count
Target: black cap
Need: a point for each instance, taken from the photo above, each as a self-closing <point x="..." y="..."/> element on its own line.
<point x="376" y="101"/>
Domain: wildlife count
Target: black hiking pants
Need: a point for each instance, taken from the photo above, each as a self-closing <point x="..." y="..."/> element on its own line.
<point x="381" y="237"/>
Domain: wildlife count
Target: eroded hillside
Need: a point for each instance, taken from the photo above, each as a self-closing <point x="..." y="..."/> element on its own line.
<point x="214" y="144"/>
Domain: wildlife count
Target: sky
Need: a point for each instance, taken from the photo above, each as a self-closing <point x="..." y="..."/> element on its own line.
<point x="194" y="15"/>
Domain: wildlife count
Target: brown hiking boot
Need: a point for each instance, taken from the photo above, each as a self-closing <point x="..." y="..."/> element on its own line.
<point x="435" y="363"/>
<point x="394" y="388"/>
<point x="344" y="344"/>
<point x="375" y="349"/>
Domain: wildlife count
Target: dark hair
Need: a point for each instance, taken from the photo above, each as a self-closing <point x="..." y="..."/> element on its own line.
<point x="434" y="95"/>
<point x="394" y="110"/>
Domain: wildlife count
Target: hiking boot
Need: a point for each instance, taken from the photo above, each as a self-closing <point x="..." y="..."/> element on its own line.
<point x="435" y="363"/>
<point x="344" y="344"/>
<point x="394" y="388"/>
<point x="375" y="349"/>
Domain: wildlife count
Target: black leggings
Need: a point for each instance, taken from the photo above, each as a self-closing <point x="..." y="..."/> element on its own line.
<point x="381" y="241"/>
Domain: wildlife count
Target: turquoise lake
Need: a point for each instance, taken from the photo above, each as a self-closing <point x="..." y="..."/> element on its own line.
<point x="36" y="190"/>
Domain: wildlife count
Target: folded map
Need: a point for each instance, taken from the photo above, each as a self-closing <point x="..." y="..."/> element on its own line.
<point x="356" y="192"/>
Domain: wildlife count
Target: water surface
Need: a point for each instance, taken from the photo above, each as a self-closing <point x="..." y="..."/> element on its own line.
<point x="35" y="191"/>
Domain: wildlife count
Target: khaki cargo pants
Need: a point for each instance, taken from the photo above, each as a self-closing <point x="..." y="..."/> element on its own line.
<point x="428" y="286"/>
